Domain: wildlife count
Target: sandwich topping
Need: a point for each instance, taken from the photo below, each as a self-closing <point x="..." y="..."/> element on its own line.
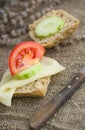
<point x="33" y="66"/>
<point x="24" y="55"/>
<point x="49" y="26"/>
<point x="28" y="73"/>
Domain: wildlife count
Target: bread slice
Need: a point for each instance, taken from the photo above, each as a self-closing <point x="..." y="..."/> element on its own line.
<point x="71" y="24"/>
<point x="37" y="88"/>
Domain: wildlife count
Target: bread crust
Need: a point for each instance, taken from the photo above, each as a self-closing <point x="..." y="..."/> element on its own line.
<point x="37" y="88"/>
<point x="71" y="24"/>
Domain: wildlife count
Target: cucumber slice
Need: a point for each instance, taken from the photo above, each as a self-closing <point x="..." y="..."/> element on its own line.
<point x="49" y="26"/>
<point x="28" y="73"/>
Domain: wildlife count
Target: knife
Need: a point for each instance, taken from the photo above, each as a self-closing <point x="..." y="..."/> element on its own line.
<point x="49" y="109"/>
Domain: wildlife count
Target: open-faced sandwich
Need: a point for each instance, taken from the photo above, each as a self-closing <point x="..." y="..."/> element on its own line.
<point x="29" y="72"/>
<point x="53" y="28"/>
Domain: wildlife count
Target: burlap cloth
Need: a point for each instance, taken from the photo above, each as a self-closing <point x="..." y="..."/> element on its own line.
<point x="72" y="55"/>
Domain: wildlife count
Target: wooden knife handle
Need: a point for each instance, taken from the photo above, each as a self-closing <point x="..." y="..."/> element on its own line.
<point x="49" y="109"/>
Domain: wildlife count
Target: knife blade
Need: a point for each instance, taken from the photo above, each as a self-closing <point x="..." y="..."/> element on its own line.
<point x="49" y="109"/>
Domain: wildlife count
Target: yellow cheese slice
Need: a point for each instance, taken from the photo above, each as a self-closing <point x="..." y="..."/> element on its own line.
<point x="8" y="84"/>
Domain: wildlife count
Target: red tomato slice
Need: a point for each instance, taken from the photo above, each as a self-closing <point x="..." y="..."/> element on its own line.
<point x="24" y="55"/>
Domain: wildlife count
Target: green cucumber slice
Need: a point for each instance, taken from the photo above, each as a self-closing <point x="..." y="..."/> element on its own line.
<point x="28" y="73"/>
<point x="49" y="26"/>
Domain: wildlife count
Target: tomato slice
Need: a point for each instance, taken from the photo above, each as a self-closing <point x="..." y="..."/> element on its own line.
<point x="24" y="55"/>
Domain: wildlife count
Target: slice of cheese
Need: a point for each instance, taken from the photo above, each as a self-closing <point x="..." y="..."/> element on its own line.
<point x="8" y="84"/>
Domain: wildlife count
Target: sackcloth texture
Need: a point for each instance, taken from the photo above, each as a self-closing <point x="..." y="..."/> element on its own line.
<point x="70" y="54"/>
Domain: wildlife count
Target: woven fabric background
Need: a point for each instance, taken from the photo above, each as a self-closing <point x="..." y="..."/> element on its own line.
<point x="71" y="54"/>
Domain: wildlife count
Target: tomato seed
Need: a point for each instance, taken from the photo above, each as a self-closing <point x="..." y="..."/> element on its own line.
<point x="22" y="53"/>
<point x="19" y="56"/>
<point x="19" y="65"/>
